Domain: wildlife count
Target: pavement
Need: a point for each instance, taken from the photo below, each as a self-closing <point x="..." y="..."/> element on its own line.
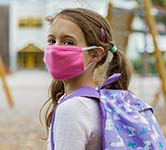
<point x="20" y="128"/>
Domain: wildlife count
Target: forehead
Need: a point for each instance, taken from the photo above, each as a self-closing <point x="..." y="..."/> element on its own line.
<point x="64" y="25"/>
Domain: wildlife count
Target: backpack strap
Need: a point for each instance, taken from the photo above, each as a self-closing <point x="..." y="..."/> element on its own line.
<point x="110" y="80"/>
<point x="92" y="92"/>
<point x="84" y="92"/>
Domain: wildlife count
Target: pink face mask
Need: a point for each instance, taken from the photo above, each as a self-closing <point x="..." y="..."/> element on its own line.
<point x="65" y="62"/>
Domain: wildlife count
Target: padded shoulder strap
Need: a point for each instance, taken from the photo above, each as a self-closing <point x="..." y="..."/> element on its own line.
<point x="85" y="92"/>
<point x="111" y="79"/>
<point x="92" y="92"/>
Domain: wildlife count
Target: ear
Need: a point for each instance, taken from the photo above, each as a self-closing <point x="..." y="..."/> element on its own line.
<point x="97" y="54"/>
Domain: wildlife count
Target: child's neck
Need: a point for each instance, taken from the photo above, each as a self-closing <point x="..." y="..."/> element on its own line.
<point x="75" y="83"/>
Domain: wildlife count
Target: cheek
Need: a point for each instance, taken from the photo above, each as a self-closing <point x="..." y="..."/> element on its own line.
<point x="87" y="58"/>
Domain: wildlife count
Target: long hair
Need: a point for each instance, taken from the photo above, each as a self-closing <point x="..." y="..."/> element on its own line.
<point x="91" y="24"/>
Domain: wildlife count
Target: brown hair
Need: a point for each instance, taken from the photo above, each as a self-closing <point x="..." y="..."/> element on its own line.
<point x="91" y="23"/>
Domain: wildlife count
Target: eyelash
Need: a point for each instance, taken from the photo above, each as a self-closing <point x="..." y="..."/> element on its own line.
<point x="69" y="42"/>
<point x="51" y="42"/>
<point x="65" y="42"/>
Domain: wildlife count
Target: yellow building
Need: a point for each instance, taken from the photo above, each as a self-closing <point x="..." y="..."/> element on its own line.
<point x="30" y="57"/>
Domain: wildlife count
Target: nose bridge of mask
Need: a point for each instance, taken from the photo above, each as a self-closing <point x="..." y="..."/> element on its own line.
<point x="88" y="48"/>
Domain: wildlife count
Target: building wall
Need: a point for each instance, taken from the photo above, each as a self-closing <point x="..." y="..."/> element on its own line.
<point x="4" y="34"/>
<point x="20" y="37"/>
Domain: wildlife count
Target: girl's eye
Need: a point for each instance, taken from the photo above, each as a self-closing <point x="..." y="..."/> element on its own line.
<point x="51" y="42"/>
<point x="68" y="42"/>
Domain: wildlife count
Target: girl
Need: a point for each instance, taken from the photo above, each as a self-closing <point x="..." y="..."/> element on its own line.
<point x="79" y="43"/>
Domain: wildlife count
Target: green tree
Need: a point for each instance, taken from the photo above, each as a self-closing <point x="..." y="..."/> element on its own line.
<point x="160" y="18"/>
<point x="159" y="2"/>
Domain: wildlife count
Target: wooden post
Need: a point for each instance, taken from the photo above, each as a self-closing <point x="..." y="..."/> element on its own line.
<point x="2" y="75"/>
<point x="160" y="63"/>
<point x="120" y="20"/>
<point x="109" y="11"/>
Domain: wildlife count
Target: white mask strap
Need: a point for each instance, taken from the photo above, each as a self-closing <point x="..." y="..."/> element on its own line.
<point x="89" y="48"/>
<point x="86" y="67"/>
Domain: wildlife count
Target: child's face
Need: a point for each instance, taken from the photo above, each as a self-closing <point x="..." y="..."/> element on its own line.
<point x="65" y="32"/>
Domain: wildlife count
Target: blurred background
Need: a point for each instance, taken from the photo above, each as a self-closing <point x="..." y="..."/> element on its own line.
<point x="24" y="80"/>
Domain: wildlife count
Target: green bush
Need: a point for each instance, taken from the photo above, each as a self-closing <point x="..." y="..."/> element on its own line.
<point x="159" y="2"/>
<point x="137" y="64"/>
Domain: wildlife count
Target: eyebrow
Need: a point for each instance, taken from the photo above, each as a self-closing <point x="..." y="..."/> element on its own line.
<point x="63" y="36"/>
<point x="68" y="36"/>
<point x="51" y="35"/>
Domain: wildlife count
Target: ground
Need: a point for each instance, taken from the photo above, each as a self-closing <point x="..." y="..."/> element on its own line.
<point x="20" y="128"/>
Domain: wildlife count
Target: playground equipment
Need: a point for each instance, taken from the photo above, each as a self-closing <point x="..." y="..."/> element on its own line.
<point x="157" y="53"/>
<point x="120" y="20"/>
<point x="7" y="91"/>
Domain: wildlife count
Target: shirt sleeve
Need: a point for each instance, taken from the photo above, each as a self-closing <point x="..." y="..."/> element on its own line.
<point x="72" y="128"/>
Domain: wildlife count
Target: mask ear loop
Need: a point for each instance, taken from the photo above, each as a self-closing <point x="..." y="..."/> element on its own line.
<point x="89" y="48"/>
<point x="90" y="63"/>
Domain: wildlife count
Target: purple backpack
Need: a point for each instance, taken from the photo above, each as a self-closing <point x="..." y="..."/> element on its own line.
<point x="127" y="122"/>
